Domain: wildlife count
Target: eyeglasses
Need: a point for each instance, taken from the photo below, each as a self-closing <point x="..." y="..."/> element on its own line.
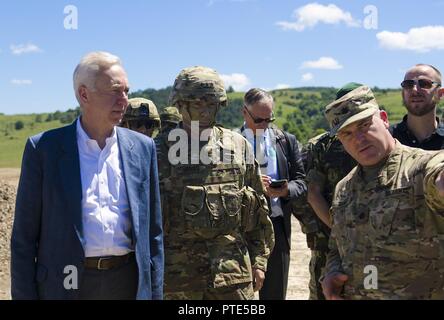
<point x="260" y="120"/>
<point x="421" y="83"/>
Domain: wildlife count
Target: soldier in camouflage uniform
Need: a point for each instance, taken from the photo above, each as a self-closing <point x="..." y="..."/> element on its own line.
<point x="169" y="119"/>
<point x="142" y="116"/>
<point x="387" y="239"/>
<point x="327" y="164"/>
<point x="311" y="226"/>
<point x="218" y="236"/>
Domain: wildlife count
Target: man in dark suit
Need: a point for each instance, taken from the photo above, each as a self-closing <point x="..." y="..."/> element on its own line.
<point x="88" y="221"/>
<point x="278" y="155"/>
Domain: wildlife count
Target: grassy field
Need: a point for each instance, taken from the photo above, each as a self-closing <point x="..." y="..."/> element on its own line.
<point x="12" y="142"/>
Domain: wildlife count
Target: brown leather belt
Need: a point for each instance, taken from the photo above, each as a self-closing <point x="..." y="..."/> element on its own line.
<point x="107" y="263"/>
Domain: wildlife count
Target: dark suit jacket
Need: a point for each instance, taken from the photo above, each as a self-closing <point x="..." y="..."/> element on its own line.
<point x="47" y="234"/>
<point x="292" y="169"/>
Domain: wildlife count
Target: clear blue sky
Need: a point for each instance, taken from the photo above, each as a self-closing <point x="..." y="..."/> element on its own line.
<point x="260" y="43"/>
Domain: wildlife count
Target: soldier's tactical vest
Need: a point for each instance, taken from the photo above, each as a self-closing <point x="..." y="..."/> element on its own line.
<point x="207" y="200"/>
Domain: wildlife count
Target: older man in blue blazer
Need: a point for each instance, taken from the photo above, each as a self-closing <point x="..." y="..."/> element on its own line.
<point x="88" y="222"/>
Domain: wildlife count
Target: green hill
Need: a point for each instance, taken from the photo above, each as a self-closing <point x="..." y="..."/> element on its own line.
<point x="299" y="111"/>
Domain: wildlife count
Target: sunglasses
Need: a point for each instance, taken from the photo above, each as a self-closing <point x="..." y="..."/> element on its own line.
<point x="421" y="83"/>
<point x="260" y="120"/>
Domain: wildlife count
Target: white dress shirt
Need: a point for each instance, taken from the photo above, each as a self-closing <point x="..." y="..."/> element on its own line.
<point x="105" y="206"/>
<point x="265" y="152"/>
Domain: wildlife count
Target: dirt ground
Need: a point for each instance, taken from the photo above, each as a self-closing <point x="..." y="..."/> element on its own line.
<point x="300" y="255"/>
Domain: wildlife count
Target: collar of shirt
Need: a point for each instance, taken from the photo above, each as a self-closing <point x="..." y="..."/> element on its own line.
<point x="90" y="145"/>
<point x="403" y="127"/>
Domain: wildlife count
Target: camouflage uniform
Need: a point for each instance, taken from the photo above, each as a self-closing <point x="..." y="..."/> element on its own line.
<point x="142" y="113"/>
<point x="394" y="222"/>
<point x="169" y="119"/>
<point x="216" y="224"/>
<point x="327" y="164"/>
<point x="388" y="219"/>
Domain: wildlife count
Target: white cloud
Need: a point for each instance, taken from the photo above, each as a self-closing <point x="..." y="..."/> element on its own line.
<point x="18" y="82"/>
<point x="326" y="63"/>
<point x="306" y="77"/>
<point x="238" y="81"/>
<point x="312" y="14"/>
<point x="422" y="39"/>
<point x="24" y="48"/>
<point x="282" y="86"/>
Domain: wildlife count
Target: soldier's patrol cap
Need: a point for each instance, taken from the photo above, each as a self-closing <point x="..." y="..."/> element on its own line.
<point x="170" y="114"/>
<point x="355" y="105"/>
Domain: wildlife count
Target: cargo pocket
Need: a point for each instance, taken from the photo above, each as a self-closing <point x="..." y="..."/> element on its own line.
<point x="193" y="200"/>
<point x="231" y="202"/>
<point x="230" y="262"/>
<point x="395" y="226"/>
<point x="381" y="217"/>
<point x="249" y="205"/>
<point x="395" y="216"/>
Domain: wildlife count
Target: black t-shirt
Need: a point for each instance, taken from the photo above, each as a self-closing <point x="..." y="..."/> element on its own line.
<point x="401" y="132"/>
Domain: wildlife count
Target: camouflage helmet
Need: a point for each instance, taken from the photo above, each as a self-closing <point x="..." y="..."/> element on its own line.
<point x="195" y="83"/>
<point x="141" y="109"/>
<point x="170" y="114"/>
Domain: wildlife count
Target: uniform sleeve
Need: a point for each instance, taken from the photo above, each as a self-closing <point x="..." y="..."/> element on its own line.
<point x="434" y="167"/>
<point x="334" y="262"/>
<point x="162" y="156"/>
<point x="260" y="240"/>
<point x="315" y="171"/>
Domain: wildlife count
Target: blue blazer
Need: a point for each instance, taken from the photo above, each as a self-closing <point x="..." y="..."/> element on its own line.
<point x="47" y="233"/>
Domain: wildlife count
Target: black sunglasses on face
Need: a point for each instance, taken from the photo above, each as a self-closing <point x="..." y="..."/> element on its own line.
<point x="421" y="83"/>
<point x="260" y="120"/>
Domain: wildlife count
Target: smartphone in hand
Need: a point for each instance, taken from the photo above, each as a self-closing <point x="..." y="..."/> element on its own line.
<point x="278" y="183"/>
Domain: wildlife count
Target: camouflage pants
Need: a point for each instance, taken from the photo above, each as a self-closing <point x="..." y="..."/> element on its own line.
<point x="243" y="291"/>
<point x="317" y="265"/>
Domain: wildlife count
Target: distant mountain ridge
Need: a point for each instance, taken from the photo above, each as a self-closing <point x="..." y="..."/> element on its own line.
<point x="297" y="110"/>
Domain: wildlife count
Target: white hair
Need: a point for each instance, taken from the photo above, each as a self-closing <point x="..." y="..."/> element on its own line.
<point x="86" y="71"/>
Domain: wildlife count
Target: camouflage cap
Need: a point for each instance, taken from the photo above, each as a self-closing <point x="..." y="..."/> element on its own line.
<point x="170" y="114"/>
<point x="195" y="83"/>
<point x="356" y="105"/>
<point x="141" y="108"/>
